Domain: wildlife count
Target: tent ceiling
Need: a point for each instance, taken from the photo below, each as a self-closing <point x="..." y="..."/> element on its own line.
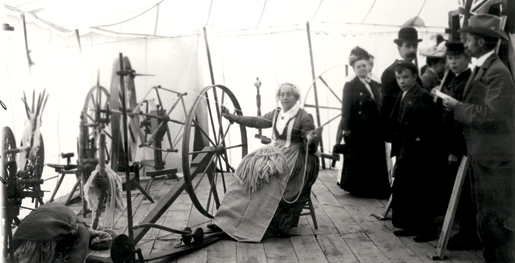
<point x="172" y="17"/>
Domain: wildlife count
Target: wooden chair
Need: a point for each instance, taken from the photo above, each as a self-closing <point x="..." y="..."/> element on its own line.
<point x="309" y="206"/>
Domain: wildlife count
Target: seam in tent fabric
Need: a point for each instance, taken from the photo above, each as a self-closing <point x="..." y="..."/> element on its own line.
<point x="262" y="13"/>
<point x="209" y="13"/>
<point x="422" y="7"/>
<point x="157" y="20"/>
<point x="129" y="19"/>
<point x="369" y="10"/>
<point x="316" y="11"/>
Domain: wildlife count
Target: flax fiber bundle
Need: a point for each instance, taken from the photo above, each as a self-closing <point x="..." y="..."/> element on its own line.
<point x="256" y="168"/>
<point x="114" y="201"/>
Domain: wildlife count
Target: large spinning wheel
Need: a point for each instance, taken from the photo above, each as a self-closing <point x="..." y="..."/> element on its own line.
<point x="323" y="101"/>
<point x="210" y="145"/>
<point x="116" y="119"/>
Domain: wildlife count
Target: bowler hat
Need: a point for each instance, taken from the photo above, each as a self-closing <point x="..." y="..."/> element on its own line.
<point x="484" y="24"/>
<point x="406" y="64"/>
<point x="454" y="48"/>
<point x="407" y="34"/>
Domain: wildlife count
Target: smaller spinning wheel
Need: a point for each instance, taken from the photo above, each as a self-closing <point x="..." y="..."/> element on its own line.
<point x="17" y="185"/>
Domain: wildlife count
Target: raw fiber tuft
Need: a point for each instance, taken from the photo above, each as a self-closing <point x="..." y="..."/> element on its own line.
<point x="256" y="168"/>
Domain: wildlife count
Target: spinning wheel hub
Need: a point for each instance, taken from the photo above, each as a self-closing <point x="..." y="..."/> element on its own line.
<point x="122" y="249"/>
<point x="220" y="150"/>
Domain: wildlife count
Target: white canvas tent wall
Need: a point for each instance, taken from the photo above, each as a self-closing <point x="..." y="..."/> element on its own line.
<point x="248" y="39"/>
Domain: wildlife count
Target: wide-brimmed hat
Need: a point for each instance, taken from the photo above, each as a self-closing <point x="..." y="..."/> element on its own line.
<point x="484" y="24"/>
<point x="434" y="51"/>
<point x="454" y="48"/>
<point x="407" y="34"/>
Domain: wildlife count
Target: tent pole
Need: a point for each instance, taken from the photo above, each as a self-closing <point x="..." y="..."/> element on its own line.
<point x="209" y="58"/>
<point x="315" y="88"/>
<point x="29" y="61"/>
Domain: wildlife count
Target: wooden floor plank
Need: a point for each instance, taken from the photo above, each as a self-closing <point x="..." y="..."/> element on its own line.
<point x="279" y="250"/>
<point x="223" y="251"/>
<point x="325" y="225"/>
<point x="364" y="249"/>
<point x="347" y="232"/>
<point x="340" y="218"/>
<point x="250" y="252"/>
<point x="307" y="249"/>
<point x="389" y="244"/>
<point x="335" y="249"/>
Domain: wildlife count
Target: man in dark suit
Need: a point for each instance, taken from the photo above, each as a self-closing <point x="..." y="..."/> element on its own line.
<point x="407" y="45"/>
<point x="487" y="114"/>
<point x="416" y="122"/>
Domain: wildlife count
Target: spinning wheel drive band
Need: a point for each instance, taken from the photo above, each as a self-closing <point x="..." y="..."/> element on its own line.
<point x="116" y="119"/>
<point x="94" y="121"/>
<point x="209" y="145"/>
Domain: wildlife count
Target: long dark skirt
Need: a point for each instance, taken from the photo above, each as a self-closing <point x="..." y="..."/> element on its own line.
<point x="365" y="171"/>
<point x="287" y="215"/>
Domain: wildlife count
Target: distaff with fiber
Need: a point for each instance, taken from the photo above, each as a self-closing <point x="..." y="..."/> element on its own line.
<point x="274" y="181"/>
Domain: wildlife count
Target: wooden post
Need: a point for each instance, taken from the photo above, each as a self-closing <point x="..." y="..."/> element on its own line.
<point x="209" y="58"/>
<point x="315" y="88"/>
<point x="451" y="211"/>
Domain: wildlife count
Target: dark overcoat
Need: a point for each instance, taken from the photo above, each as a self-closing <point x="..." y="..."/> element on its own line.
<point x="487" y="115"/>
<point x="414" y="144"/>
<point x="365" y="171"/>
<point x="430" y="80"/>
<point x="389" y="92"/>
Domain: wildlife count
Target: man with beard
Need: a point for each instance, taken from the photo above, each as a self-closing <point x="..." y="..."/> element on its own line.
<point x="407" y="45"/>
<point x="486" y="111"/>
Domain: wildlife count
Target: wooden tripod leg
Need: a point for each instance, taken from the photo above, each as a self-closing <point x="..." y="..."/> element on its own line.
<point x="137" y="185"/>
<point x="56" y="188"/>
<point x="386" y="209"/>
<point x="68" y="201"/>
<point x="451" y="212"/>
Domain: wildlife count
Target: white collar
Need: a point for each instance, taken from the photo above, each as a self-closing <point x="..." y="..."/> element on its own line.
<point x="284" y="117"/>
<point x="290" y="113"/>
<point x="480" y="61"/>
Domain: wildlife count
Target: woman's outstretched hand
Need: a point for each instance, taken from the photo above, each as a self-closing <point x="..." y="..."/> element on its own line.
<point x="226" y="114"/>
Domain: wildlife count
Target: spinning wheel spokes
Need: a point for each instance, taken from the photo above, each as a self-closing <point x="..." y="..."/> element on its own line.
<point x="96" y="120"/>
<point x="210" y="144"/>
<point x="327" y="110"/>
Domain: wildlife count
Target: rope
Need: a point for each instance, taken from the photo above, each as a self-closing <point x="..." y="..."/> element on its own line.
<point x="262" y="13"/>
<point x="368" y="13"/>
<point x="303" y="179"/>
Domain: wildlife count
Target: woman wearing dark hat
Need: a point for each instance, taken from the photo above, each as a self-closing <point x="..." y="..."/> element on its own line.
<point x="365" y="171"/>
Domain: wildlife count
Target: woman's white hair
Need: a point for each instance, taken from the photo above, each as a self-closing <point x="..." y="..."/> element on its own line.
<point x="294" y="88"/>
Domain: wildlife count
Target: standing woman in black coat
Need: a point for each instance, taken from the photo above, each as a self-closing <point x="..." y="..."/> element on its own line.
<point x="365" y="171"/>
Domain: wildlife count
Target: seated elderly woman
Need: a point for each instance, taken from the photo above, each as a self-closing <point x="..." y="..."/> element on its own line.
<point x="273" y="208"/>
